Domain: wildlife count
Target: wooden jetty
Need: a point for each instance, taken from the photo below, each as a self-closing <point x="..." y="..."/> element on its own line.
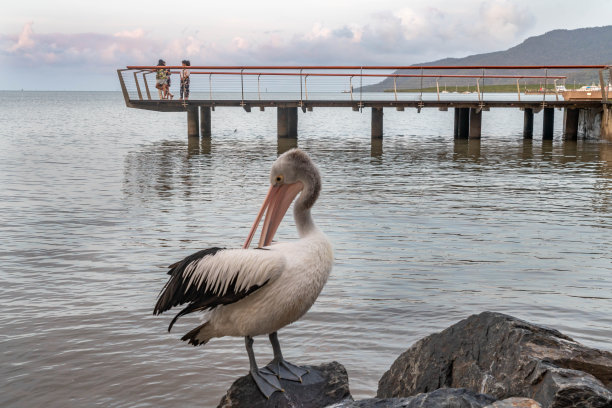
<point x="299" y="88"/>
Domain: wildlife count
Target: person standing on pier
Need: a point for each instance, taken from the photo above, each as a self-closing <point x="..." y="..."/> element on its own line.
<point x="185" y="80"/>
<point x="167" y="86"/>
<point x="160" y="78"/>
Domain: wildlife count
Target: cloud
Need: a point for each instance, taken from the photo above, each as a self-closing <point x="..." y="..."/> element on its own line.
<point x="502" y="19"/>
<point x="136" y="33"/>
<point x="93" y="50"/>
<point x="404" y="36"/>
<point x="24" y="40"/>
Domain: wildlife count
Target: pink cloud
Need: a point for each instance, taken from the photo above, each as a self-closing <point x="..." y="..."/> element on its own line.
<point x="83" y="49"/>
<point x="24" y="40"/>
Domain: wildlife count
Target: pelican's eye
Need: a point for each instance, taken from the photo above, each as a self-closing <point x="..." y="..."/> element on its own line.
<point x="279" y="179"/>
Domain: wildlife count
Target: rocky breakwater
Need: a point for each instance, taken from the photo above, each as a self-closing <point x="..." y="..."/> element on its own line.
<point x="490" y="360"/>
<point x="502" y="356"/>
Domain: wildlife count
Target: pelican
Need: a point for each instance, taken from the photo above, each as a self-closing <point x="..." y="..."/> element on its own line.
<point x="251" y="292"/>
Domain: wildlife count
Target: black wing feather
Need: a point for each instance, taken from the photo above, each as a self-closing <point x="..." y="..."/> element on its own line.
<point x="211" y="301"/>
<point x="173" y="293"/>
<point x="177" y="291"/>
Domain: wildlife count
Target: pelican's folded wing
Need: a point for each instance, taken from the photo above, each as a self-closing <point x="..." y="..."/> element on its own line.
<point x="217" y="276"/>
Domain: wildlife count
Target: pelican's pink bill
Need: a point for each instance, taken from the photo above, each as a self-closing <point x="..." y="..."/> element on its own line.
<point x="260" y="214"/>
<point x="282" y="197"/>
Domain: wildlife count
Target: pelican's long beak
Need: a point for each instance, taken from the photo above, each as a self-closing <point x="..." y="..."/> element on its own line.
<point x="275" y="205"/>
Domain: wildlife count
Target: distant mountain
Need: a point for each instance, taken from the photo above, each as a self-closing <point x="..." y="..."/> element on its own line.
<point x="583" y="46"/>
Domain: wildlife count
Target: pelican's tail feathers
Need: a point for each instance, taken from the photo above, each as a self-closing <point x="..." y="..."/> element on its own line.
<point x="200" y="335"/>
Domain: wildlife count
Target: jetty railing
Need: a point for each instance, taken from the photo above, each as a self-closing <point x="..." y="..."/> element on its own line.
<point x="355" y="83"/>
<point x="477" y="89"/>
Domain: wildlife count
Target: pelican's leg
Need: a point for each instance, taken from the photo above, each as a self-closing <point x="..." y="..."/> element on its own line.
<point x="267" y="383"/>
<point x="281" y="367"/>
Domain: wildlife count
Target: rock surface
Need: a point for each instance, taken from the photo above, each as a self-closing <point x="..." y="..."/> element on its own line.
<point x="505" y="357"/>
<point x="324" y="385"/>
<point x="515" y="402"/>
<point x="442" y="398"/>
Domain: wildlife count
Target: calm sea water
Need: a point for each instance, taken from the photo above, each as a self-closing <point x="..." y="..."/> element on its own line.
<point x="97" y="199"/>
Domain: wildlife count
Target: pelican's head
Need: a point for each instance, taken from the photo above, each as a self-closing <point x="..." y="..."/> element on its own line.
<point x="293" y="172"/>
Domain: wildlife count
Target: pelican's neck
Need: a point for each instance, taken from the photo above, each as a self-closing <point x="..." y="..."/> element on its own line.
<point x="301" y="212"/>
<point x="303" y="221"/>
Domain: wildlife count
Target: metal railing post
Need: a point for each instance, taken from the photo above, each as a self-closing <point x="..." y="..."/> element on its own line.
<point x="518" y="90"/>
<point x="545" y="85"/>
<point x="438" y="89"/>
<point x="242" y="86"/>
<point x="351" y="87"/>
<point x="395" y="87"/>
<point x="137" y="85"/>
<point x="210" y="86"/>
<point x="306" y="85"/>
<point x="609" y="81"/>
<point x="258" y="88"/>
<point x="483" y="84"/>
<point x="144" y="78"/>
<point x="603" y="87"/>
<point x="126" y="96"/>
<point x="421" y="97"/>
<point x="300" y="87"/>
<point x="361" y="90"/>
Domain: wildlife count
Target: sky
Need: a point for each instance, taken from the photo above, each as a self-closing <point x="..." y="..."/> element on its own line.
<point x="79" y="44"/>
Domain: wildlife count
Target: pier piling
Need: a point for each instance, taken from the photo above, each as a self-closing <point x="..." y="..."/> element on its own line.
<point x="528" y="123"/>
<point x="456" y="124"/>
<point x="549" y="120"/>
<point x="570" y="124"/>
<point x="193" y="122"/>
<point x="292" y="122"/>
<point x="462" y="123"/>
<point x="606" y="123"/>
<point x="287" y="122"/>
<point x="205" y="122"/>
<point x="475" y="123"/>
<point x="377" y="123"/>
<point x="282" y="124"/>
<point x="283" y="144"/>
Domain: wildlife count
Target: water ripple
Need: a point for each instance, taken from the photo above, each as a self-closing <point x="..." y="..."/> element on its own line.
<point x="426" y="232"/>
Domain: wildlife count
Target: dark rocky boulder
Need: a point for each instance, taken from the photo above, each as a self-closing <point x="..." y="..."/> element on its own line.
<point x="324" y="385"/>
<point x="442" y="398"/>
<point x="505" y="357"/>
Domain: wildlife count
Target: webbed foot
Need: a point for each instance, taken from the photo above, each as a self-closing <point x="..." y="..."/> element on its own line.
<point x="285" y="370"/>
<point x="267" y="382"/>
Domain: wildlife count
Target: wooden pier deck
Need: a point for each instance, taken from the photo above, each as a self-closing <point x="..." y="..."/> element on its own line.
<point x="295" y="88"/>
<point x="183" y="106"/>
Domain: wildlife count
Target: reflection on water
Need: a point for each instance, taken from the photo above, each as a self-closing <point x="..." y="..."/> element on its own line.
<point x="467" y="149"/>
<point x="527" y="150"/>
<point x="161" y="169"/>
<point x="427" y="230"/>
<point x="197" y="146"/>
<point x="376" y="148"/>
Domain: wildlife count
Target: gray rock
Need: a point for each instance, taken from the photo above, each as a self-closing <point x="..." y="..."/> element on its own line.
<point x="515" y="402"/>
<point x="442" y="398"/>
<point x="324" y="385"/>
<point x="505" y="357"/>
